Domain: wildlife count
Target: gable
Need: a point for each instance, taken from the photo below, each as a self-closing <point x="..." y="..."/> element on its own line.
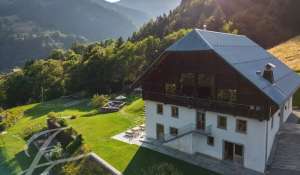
<point x="242" y="54"/>
<point x="247" y="58"/>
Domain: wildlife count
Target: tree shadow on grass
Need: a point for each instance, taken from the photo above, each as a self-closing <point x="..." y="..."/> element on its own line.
<point x="12" y="166"/>
<point x="145" y="159"/>
<point x="57" y="106"/>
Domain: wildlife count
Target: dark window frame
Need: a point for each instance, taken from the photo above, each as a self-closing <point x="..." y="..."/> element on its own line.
<point x="159" y="109"/>
<point x="173" y="131"/>
<point x="220" y="117"/>
<point x="238" y="128"/>
<point x="210" y="141"/>
<point x="174" y="112"/>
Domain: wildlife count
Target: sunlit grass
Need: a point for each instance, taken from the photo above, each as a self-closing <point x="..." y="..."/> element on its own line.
<point x="289" y="52"/>
<point x="96" y="129"/>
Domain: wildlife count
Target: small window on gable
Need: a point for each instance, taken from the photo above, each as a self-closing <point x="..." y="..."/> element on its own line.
<point x="241" y="126"/>
<point x="173" y="131"/>
<point x="174" y="111"/>
<point x="170" y="88"/>
<point x="210" y="141"/>
<point x="222" y="122"/>
<point x="159" y="109"/>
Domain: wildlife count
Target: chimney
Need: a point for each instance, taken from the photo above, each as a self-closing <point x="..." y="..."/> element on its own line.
<point x="204" y="27"/>
<point x="269" y="73"/>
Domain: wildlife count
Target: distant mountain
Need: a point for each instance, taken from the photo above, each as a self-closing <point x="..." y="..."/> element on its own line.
<point x="138" y="17"/>
<point x="153" y="8"/>
<point x="32" y="28"/>
<point x="79" y="17"/>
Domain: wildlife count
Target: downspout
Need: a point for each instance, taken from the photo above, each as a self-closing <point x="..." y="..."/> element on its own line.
<point x="267" y="141"/>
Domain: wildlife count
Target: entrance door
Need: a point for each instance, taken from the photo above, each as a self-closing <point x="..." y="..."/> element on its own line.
<point x="234" y="152"/>
<point x="160" y="132"/>
<point x="200" y="120"/>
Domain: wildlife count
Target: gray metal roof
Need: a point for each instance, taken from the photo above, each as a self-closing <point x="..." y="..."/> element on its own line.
<point x="246" y="57"/>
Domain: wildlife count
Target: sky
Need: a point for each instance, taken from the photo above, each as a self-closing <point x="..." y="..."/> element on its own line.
<point x="112" y="0"/>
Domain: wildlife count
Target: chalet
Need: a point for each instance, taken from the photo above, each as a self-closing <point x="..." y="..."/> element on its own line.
<point x="220" y="95"/>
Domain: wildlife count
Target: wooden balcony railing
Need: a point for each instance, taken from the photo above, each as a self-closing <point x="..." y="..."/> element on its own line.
<point x="207" y="104"/>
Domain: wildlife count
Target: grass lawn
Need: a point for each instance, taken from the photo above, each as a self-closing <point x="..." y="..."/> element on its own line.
<point x="97" y="130"/>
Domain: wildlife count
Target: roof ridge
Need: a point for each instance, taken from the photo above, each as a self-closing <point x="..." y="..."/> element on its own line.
<point x="222" y="33"/>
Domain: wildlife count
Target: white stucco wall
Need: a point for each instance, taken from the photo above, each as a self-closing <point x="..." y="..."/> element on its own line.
<point x="276" y="125"/>
<point x="253" y="141"/>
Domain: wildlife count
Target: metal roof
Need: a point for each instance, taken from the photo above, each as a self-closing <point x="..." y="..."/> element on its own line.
<point x="247" y="58"/>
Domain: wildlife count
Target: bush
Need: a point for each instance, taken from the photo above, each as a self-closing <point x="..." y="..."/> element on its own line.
<point x="32" y="129"/>
<point x="62" y="122"/>
<point x="75" y="145"/>
<point x="2" y="126"/>
<point x="73" y="117"/>
<point x="99" y="100"/>
<point x="52" y="116"/>
<point x="56" y="152"/>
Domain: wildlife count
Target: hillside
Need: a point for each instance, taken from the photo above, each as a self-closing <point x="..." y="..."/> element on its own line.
<point x="289" y="52"/>
<point x="31" y="29"/>
<point x="268" y="22"/>
<point x="153" y="8"/>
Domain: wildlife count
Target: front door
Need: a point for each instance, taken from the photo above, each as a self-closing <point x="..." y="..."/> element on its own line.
<point x="200" y="120"/>
<point x="160" y="132"/>
<point x="234" y="152"/>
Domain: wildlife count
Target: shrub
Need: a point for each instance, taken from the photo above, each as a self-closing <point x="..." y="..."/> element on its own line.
<point x="73" y="117"/>
<point x="56" y="152"/>
<point x="32" y="129"/>
<point x="52" y="116"/>
<point x="62" y="122"/>
<point x="99" y="100"/>
<point x="76" y="144"/>
<point x="2" y="126"/>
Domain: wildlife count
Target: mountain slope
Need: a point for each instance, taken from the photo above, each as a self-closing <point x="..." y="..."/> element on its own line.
<point x="138" y="17"/>
<point x="289" y="52"/>
<point x="153" y="8"/>
<point x="31" y="29"/>
<point x="80" y="17"/>
<point x="268" y="22"/>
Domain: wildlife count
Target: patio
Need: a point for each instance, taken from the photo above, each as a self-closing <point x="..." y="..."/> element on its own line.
<point x="134" y="135"/>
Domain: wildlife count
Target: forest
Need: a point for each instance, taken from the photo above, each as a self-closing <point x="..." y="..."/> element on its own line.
<point x="110" y="66"/>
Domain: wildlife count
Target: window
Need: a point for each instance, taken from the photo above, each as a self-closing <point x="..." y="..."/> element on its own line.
<point x="204" y="80"/>
<point x="187" y="79"/>
<point x="173" y="131"/>
<point x="241" y="126"/>
<point x="210" y="141"/>
<point x="174" y="111"/>
<point x="170" y="88"/>
<point x="222" y="122"/>
<point x="238" y="150"/>
<point x="228" y="95"/>
<point x="159" y="109"/>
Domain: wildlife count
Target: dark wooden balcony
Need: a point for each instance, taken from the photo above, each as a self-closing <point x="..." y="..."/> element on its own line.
<point x="235" y="109"/>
